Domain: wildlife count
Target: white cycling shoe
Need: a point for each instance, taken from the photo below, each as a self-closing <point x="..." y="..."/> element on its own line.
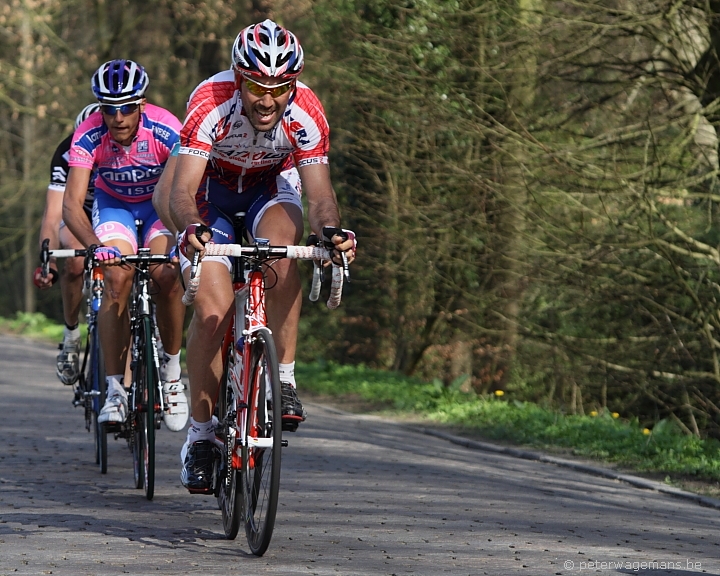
<point x="176" y="405"/>
<point x="115" y="409"/>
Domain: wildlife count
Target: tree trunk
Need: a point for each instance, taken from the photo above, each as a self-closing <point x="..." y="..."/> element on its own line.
<point x="511" y="221"/>
<point x="28" y="136"/>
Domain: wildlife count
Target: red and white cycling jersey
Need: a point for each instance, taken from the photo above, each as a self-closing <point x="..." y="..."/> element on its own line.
<point x="217" y="128"/>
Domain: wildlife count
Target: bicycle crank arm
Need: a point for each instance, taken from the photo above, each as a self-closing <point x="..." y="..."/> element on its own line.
<point x="260" y="442"/>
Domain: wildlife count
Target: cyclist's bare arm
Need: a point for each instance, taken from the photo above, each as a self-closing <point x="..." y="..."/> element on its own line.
<point x="322" y="203"/>
<point x="72" y="209"/>
<point x="189" y="172"/>
<point x="161" y="195"/>
<point x="50" y="228"/>
<point x="50" y="225"/>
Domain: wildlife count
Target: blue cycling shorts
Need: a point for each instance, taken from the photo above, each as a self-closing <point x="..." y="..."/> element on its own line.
<point x="114" y="219"/>
<point x="217" y="204"/>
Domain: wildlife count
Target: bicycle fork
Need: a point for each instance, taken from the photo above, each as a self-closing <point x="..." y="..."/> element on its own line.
<point x="86" y="393"/>
<point x="144" y="310"/>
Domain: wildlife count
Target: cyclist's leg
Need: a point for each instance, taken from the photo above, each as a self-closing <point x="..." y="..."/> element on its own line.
<point x="115" y="226"/>
<point x="214" y="302"/>
<point x="71" y="280"/>
<point x="213" y="309"/>
<point x="279" y="219"/>
<point x="282" y="224"/>
<point x="170" y="314"/>
<point x="170" y="309"/>
<point x="212" y="313"/>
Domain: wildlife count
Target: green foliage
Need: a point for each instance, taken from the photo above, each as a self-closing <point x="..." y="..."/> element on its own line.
<point x="626" y="442"/>
<point x="534" y="184"/>
<point x="36" y="325"/>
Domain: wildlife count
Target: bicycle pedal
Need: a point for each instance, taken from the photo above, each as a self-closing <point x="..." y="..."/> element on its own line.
<point x="204" y="492"/>
<point x="290" y="425"/>
<point x="113" y="428"/>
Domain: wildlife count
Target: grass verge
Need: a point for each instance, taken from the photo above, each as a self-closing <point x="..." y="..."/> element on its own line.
<point x="36" y="325"/>
<point x="607" y="437"/>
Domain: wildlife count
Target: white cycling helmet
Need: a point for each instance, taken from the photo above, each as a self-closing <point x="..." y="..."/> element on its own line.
<point x="118" y="80"/>
<point x="267" y="49"/>
<point x="85" y="113"/>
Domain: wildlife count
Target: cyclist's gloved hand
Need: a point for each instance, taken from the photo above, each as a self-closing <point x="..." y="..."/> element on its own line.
<point x="46" y="281"/>
<point x="105" y="254"/>
<point x="340" y="240"/>
<point x="195" y="237"/>
<point x="173" y="253"/>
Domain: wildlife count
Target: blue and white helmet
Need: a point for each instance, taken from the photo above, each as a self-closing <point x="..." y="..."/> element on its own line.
<point x="85" y="113"/>
<point x="267" y="49"/>
<point x="119" y="80"/>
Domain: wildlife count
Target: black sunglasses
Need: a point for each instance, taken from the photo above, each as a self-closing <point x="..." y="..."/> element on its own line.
<point x="125" y="109"/>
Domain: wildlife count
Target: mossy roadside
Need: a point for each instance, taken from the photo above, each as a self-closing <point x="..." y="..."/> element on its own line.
<point x="662" y="453"/>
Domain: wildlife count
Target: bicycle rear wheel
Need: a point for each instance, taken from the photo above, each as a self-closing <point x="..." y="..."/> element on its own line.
<point x="145" y="377"/>
<point x="229" y="490"/>
<point x="262" y="446"/>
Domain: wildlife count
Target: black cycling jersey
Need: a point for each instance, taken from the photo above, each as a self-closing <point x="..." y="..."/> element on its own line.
<point x="59" y="173"/>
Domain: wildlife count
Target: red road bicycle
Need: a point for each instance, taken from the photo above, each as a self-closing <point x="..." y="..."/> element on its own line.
<point x="246" y="478"/>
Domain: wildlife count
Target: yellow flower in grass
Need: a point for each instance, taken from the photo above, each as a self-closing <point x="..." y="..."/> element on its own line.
<point x="646" y="431"/>
<point x="499" y="393"/>
<point x="593" y="413"/>
<point x="615" y="415"/>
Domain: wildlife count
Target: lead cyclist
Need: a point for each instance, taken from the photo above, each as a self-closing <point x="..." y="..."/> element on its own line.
<point x="253" y="138"/>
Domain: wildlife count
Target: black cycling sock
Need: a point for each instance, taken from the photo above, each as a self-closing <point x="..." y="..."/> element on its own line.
<point x="72" y="327"/>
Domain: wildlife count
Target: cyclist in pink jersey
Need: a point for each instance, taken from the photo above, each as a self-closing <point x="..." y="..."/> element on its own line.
<point x="128" y="146"/>
<point x="251" y="137"/>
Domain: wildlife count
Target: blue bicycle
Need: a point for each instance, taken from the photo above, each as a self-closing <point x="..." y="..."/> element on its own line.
<point x="90" y="388"/>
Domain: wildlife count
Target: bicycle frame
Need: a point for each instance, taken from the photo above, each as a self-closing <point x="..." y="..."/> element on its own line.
<point x="250" y="309"/>
<point x="249" y="395"/>
<point x="93" y="287"/>
<point x="90" y="388"/>
<point x="141" y="307"/>
<point x="145" y="398"/>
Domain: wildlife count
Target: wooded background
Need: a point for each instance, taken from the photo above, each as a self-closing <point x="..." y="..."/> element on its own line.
<point x="534" y="183"/>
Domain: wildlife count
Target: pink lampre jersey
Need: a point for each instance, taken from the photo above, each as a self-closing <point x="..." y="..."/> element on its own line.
<point x="216" y="128"/>
<point x="128" y="173"/>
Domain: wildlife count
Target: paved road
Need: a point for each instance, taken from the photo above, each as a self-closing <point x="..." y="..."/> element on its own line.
<point x="359" y="496"/>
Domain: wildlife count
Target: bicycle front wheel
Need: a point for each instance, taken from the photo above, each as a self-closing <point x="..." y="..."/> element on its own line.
<point x="262" y="445"/>
<point x="229" y="491"/>
<point x="96" y="384"/>
<point x="145" y="378"/>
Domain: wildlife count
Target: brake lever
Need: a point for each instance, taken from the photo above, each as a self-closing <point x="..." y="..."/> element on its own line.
<point x="199" y="231"/>
<point x="45" y="257"/>
<point x="346" y="267"/>
<point x="328" y="232"/>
